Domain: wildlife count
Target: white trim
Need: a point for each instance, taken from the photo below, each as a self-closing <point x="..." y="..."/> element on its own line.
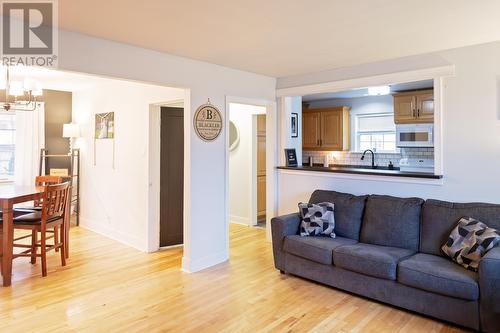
<point x="188" y="118"/>
<point x="253" y="174"/>
<point x="435" y="73"/>
<point x="113" y="234"/>
<point x="377" y="80"/>
<point x="170" y="247"/>
<point x="438" y="126"/>
<point x="389" y="179"/>
<point x="153" y="229"/>
<point x="191" y="266"/>
<point x="240" y="220"/>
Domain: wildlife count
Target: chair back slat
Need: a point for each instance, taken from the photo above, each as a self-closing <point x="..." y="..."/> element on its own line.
<point x="44" y="181"/>
<point x="54" y="201"/>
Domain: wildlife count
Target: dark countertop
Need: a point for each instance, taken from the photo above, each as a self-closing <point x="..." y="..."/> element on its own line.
<point x="363" y="170"/>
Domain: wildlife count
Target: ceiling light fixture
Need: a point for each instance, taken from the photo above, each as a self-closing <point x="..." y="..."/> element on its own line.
<point x="376" y="91"/>
<point x="20" y="95"/>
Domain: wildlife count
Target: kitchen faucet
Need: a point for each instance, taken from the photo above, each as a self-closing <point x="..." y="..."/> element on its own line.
<point x="373" y="157"/>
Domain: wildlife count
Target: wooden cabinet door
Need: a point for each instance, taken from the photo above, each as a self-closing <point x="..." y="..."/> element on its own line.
<point x="311" y="130"/>
<point x="331" y="130"/>
<point x="404" y="109"/>
<point x="261" y="166"/>
<point x="425" y="108"/>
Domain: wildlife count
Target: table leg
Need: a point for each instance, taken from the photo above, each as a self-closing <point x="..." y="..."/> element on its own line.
<point x="8" y="243"/>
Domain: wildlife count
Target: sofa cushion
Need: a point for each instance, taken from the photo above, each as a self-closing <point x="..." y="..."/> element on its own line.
<point x="469" y="242"/>
<point x="440" y="217"/>
<point x="391" y="221"/>
<point x="318" y="249"/>
<point x="368" y="259"/>
<point x="317" y="219"/>
<point x="348" y="211"/>
<point x="438" y="275"/>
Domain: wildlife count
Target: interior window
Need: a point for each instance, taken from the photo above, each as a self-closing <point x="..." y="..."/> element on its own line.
<point x="7" y="145"/>
<point x="376" y="132"/>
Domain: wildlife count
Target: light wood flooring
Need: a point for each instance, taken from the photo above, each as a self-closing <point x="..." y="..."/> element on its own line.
<point x="109" y="287"/>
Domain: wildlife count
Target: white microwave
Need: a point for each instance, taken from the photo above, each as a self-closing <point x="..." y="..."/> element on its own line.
<point x="415" y="135"/>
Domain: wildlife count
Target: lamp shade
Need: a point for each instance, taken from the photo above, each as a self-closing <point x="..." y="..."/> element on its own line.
<point x="71" y="130"/>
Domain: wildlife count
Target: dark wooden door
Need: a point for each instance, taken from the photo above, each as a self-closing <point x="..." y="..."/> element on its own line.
<point x="172" y="176"/>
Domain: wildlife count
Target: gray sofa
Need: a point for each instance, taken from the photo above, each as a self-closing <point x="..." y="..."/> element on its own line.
<point x="388" y="249"/>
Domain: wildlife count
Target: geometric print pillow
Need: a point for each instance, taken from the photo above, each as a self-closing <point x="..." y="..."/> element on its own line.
<point x="469" y="241"/>
<point x="317" y="219"/>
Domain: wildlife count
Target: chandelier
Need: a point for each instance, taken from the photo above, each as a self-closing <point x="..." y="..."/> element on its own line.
<point x="20" y="95"/>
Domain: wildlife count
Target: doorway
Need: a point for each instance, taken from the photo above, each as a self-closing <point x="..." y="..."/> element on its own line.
<point x="171" y="176"/>
<point x="247" y="164"/>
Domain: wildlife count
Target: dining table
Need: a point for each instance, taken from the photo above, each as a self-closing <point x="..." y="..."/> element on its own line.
<point x="11" y="195"/>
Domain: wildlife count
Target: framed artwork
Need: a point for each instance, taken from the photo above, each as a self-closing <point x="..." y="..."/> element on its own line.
<point x="291" y="158"/>
<point x="294" y="125"/>
<point x="105" y="125"/>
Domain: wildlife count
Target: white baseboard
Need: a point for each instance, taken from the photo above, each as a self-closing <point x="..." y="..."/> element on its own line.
<point x="240" y="220"/>
<point x="101" y="229"/>
<point x="192" y="266"/>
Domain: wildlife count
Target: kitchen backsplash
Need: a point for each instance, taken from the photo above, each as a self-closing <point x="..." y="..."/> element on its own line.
<point x="354" y="158"/>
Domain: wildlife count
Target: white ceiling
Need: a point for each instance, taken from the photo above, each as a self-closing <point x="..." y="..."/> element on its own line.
<point x="287" y="37"/>
<point x="363" y="92"/>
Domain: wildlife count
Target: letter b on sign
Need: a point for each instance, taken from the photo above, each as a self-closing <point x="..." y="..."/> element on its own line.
<point x="27" y="27"/>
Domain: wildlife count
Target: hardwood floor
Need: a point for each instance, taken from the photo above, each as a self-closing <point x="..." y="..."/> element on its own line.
<point x="109" y="287"/>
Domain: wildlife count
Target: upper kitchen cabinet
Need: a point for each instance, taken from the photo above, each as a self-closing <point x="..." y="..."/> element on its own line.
<point x="311" y="129"/>
<point x="414" y="107"/>
<point x="325" y="129"/>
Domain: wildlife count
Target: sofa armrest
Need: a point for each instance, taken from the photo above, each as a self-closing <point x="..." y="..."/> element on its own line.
<point x="281" y="227"/>
<point x="489" y="286"/>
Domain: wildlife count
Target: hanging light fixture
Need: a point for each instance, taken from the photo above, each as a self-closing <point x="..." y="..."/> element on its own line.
<point x="20" y="95"/>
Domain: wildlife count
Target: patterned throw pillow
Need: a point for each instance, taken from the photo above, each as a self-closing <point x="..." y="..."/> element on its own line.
<point x="469" y="241"/>
<point x="317" y="219"/>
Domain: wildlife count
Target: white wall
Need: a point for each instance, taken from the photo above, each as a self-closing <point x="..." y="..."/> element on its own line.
<point x="471" y="139"/>
<point x="113" y="198"/>
<point x="205" y="228"/>
<point x="290" y="105"/>
<point x="242" y="165"/>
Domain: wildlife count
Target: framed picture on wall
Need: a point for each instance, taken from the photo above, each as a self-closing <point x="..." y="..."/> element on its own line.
<point x="294" y="125"/>
<point x="105" y="125"/>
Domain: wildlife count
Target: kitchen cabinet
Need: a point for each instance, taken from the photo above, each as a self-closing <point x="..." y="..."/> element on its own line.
<point x="311" y="129"/>
<point x="326" y="129"/>
<point x="414" y="107"/>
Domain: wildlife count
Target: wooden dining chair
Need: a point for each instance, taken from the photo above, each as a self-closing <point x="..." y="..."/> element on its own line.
<point x="37" y="204"/>
<point x="52" y="215"/>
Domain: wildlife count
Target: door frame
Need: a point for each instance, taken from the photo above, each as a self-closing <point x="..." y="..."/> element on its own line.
<point x="154" y="171"/>
<point x="271" y="159"/>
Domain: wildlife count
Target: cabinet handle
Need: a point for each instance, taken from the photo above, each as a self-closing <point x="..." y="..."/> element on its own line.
<point x="414" y="115"/>
<point x="317" y="142"/>
<point x="418" y="113"/>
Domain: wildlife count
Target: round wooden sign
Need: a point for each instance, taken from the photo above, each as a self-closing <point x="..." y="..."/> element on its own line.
<point x="208" y="122"/>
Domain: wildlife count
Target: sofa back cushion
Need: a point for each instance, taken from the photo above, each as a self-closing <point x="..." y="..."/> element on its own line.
<point x="391" y="221"/>
<point x="348" y="211"/>
<point x="439" y="218"/>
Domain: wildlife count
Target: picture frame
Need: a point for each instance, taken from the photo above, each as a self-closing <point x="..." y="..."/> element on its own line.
<point x="294" y="125"/>
<point x="291" y="157"/>
<point x="105" y="125"/>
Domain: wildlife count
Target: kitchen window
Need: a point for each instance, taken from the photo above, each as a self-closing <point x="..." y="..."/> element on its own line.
<point x="375" y="131"/>
<point x="7" y="146"/>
